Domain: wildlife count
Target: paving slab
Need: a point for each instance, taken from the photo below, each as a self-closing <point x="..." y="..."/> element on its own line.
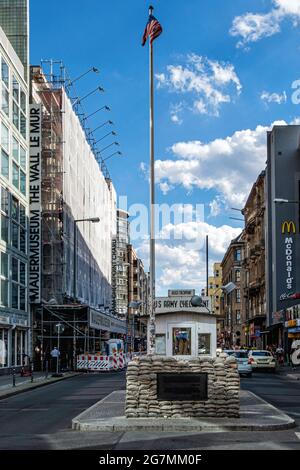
<point x="109" y="415"/>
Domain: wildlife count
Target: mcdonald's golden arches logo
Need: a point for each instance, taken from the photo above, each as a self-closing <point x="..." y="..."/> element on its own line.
<point x="288" y="227"/>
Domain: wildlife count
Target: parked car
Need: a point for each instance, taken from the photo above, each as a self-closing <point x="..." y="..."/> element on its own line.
<point x="242" y="359"/>
<point x="244" y="366"/>
<point x="260" y="359"/>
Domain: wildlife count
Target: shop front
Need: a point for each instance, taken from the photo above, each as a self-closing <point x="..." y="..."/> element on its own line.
<point x="13" y="343"/>
<point x="77" y="329"/>
<point x="254" y="330"/>
<point x="291" y="326"/>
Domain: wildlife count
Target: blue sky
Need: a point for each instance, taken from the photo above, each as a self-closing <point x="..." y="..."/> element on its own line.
<point x="224" y="75"/>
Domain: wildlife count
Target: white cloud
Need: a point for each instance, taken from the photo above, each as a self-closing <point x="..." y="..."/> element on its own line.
<point x="252" y="27"/>
<point x="208" y="83"/>
<point x="165" y="187"/>
<point x="273" y="97"/>
<point x="215" y="207"/>
<point x="228" y="166"/>
<point x="288" y="7"/>
<point x="175" y="112"/>
<point x="179" y="264"/>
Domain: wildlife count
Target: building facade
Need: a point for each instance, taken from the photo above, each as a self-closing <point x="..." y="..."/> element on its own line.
<point x="138" y="291"/>
<point x="282" y="229"/>
<point x="253" y="280"/>
<point x="120" y="265"/>
<point x="14" y="314"/>
<point x="232" y="304"/>
<point x="77" y="226"/>
<point x="215" y="293"/>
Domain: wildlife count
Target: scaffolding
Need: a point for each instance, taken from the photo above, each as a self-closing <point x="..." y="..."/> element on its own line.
<point x="47" y="88"/>
<point x="60" y="168"/>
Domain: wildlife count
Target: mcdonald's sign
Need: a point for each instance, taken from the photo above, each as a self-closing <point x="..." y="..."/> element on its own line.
<point x="288" y="227"/>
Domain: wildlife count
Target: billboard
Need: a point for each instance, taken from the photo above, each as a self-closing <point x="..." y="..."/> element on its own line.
<point x="35" y="203"/>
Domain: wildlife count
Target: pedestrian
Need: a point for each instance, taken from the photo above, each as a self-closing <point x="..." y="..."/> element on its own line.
<point x="280" y="355"/>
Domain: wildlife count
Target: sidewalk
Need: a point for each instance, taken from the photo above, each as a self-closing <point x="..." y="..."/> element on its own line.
<point x="289" y="372"/>
<point x="24" y="383"/>
<point x="6" y="381"/>
<point x="255" y="415"/>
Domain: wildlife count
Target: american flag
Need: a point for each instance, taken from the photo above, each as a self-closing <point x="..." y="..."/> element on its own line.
<point x="153" y="30"/>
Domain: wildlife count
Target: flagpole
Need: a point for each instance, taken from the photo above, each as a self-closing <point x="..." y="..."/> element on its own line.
<point x="152" y="205"/>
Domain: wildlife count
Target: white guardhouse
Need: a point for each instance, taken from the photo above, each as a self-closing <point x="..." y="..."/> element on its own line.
<point x="183" y="330"/>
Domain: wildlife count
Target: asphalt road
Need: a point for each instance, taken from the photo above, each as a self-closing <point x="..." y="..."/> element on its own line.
<point x="41" y="419"/>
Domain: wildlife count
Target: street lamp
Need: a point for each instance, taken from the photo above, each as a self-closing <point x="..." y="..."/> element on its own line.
<point x="106" y="135"/>
<point x="94" y="220"/>
<point x="107" y="108"/>
<point x="92" y="69"/>
<point x="115" y="153"/>
<point x="78" y="100"/>
<point x="102" y="150"/>
<point x="99" y="127"/>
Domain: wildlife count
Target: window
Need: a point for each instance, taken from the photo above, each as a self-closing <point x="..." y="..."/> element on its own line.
<point x="23" y="101"/>
<point x="204" y="343"/>
<point x="3" y="347"/>
<point x="4" y="265"/>
<point x="22" y="158"/>
<point x="15" y="209"/>
<point x="5" y="73"/>
<point x="5" y="138"/>
<point x="15" y="235"/>
<point x="19" y="107"/>
<point x="238" y="317"/>
<point x="4" y="200"/>
<point x="5" y="101"/>
<point x="15" y="176"/>
<point x="181" y="341"/>
<point x="18" y="291"/>
<point x="19" y="166"/>
<point x="4" y="280"/>
<point x="238" y="295"/>
<point x="4" y="164"/>
<point x="15" y="270"/>
<point x="237" y="275"/>
<point x="4" y="228"/>
<point x="14" y="295"/>
<point x="238" y="254"/>
<point x="160" y="344"/>
<point x="15" y="150"/>
<point x="4" y="293"/>
<point x="16" y="119"/>
<point x="15" y="89"/>
<point x="22" y="182"/>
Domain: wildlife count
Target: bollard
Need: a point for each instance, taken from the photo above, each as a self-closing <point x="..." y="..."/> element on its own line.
<point x="14" y="377"/>
<point x="31" y="372"/>
<point x="47" y="369"/>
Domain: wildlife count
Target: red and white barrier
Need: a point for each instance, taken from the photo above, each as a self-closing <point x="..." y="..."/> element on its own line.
<point x="99" y="363"/>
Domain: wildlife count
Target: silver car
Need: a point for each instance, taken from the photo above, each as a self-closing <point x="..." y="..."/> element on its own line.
<point x="242" y="359"/>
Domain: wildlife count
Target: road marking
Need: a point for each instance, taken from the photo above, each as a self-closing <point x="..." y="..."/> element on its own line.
<point x="34" y="409"/>
<point x="298" y="434"/>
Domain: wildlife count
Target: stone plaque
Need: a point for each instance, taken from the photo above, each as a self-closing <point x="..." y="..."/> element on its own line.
<point x="182" y="387"/>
